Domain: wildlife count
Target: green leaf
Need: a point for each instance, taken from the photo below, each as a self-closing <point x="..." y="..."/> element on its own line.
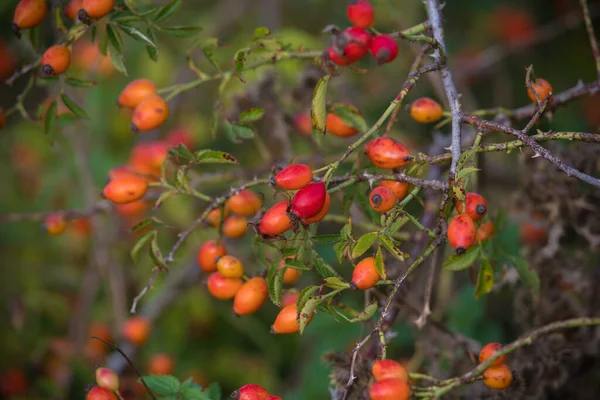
<point x="43" y="80"/>
<point x="304" y="296"/>
<point x="339" y="249"/>
<point x="141" y="225"/>
<point x="366" y="314"/>
<point x="318" y="109"/>
<point x="350" y="115"/>
<point x="527" y="275"/>
<point x="465" y="172"/>
<point x="94" y="32"/>
<point x="71" y="105"/>
<point x="235" y="132"/>
<point x="275" y="282"/>
<point x="323" y="268"/>
<point x="136" y="34"/>
<point x="140" y="243"/>
<point x="114" y="38"/>
<point x="164" y="196"/>
<point x="167" y="11"/>
<point x="379" y="265"/>
<point x="130" y="4"/>
<point x="295" y="264"/>
<point x="193" y="393"/>
<point x="459" y="193"/>
<point x="117" y="60"/>
<point x="58" y="20"/>
<point x="214" y="391"/>
<point x="181" y="31"/>
<point x="181" y="179"/>
<point x="459" y="262"/>
<point x="252" y="115"/>
<point x="326" y="239"/>
<point x="156" y="254"/>
<point x="214" y="157"/>
<point x="307" y="310"/>
<point x="214" y="123"/>
<point x="261" y="32"/>
<point x="485" y="278"/>
<point x="240" y="60"/>
<point x="336" y="283"/>
<point x="181" y="152"/>
<point x="124" y="16"/>
<point x="363" y="244"/>
<point x="208" y="47"/>
<point x="151" y="50"/>
<point x="346" y="232"/>
<point x="50" y="120"/>
<point x="80" y="83"/>
<point x="164" y="385"/>
<point x="391" y="247"/>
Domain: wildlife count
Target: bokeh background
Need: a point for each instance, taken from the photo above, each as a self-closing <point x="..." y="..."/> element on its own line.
<point x="55" y="291"/>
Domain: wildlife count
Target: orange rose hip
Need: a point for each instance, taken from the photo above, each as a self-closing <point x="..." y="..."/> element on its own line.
<point x="56" y="60"/>
<point x="387" y="153"/>
<point x="136" y="92"/>
<point x="461" y="233"/>
<point x="209" y="254"/>
<point x="223" y="288"/>
<point x="365" y="274"/>
<point x="125" y="189"/>
<point x="382" y="199"/>
<point x="151" y="113"/>
<point x="251" y="296"/>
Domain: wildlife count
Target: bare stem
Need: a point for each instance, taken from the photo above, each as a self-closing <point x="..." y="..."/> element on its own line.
<point x="590" y="30"/>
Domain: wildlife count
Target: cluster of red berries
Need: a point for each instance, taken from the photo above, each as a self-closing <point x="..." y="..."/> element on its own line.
<point x="462" y="231"/>
<point x="498" y="375"/>
<point x="391" y="381"/>
<point x="354" y="43"/>
<point x="253" y="392"/>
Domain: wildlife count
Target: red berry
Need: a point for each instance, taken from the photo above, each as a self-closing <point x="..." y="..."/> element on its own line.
<point x="426" y="110"/>
<point x="161" y="364"/>
<point x="461" y="233"/>
<point x="339" y="60"/>
<point x="275" y="221"/>
<point x="382" y="199"/>
<point x="358" y="42"/>
<point x="321" y="213"/>
<point x="360" y="13"/>
<point x="208" y="255"/>
<point x="365" y="274"/>
<point x="99" y="393"/>
<point x="251" y="392"/>
<point x="251" y="296"/>
<point x="29" y="13"/>
<point x="107" y="378"/>
<point x="476" y="206"/>
<point x="55" y="224"/>
<point x="389" y="369"/>
<point x="223" y="288"/>
<point x="389" y="389"/>
<point x="485" y="231"/>
<point x="498" y="377"/>
<point x="56" y="60"/>
<point x="387" y="153"/>
<point x="489" y="350"/>
<point x="384" y="49"/>
<point x="245" y="202"/>
<point x="136" y="330"/>
<point x="294" y="177"/>
<point x="400" y="189"/>
<point x="309" y="200"/>
<point x="289" y="298"/>
<point x="235" y="227"/>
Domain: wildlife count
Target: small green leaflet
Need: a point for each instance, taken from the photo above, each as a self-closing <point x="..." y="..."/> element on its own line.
<point x="364" y="243"/>
<point x="136" y="34"/>
<point x="252" y="115"/>
<point x="379" y="265"/>
<point x="71" y="105"/>
<point x="156" y="254"/>
<point x="50" y="120"/>
<point x="304" y="296"/>
<point x="391" y="247"/>
<point x="240" y="60"/>
<point x="485" y="278"/>
<point x="336" y="283"/>
<point x="366" y="314"/>
<point x="80" y="83"/>
<point x="164" y="385"/>
<point x="318" y="109"/>
<point x="140" y="243"/>
<point x="275" y="282"/>
<point x="167" y="11"/>
<point x="466" y="172"/>
<point x="350" y="115"/>
<point x="261" y="32"/>
<point x="527" y="275"/>
<point x="323" y="268"/>
<point x="214" y="157"/>
<point x="307" y="311"/>
<point x="181" y="31"/>
<point x="460" y="262"/>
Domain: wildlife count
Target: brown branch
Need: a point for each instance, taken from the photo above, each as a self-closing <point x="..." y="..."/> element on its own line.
<point x="144" y="291"/>
<point x="400" y="177"/>
<point x="422" y="320"/>
<point x="590" y="30"/>
<point x="68" y="215"/>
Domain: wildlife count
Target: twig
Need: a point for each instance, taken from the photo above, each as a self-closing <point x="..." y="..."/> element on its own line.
<point x="68" y="215"/>
<point x="590" y="30"/>
<point x="144" y="291"/>
<point x="115" y="347"/>
<point x="422" y="320"/>
<point x="422" y="183"/>
<point x="434" y="9"/>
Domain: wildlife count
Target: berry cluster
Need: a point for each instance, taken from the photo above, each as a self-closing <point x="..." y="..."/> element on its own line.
<point x="498" y="375"/>
<point x="391" y="381"/>
<point x="462" y="232"/>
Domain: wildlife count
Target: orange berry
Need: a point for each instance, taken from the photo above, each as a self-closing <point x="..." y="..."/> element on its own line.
<point x="389" y="369"/>
<point x="214" y="217"/>
<point x="426" y="110"/>
<point x="250" y="392"/>
<point x="95" y="8"/>
<point x="136" y="330"/>
<point x="133" y="210"/>
<point x="55" y="224"/>
<point x="337" y="127"/>
<point x="489" y="350"/>
<point x="100" y="393"/>
<point x="382" y="199"/>
<point x="275" y="221"/>
<point x="294" y="177"/>
<point x="230" y="267"/>
<point x="223" y="288"/>
<point x="485" y="231"/>
<point x="287" y="320"/>
<point x="208" y="255"/>
<point x="107" y="378"/>
<point x="136" y="92"/>
<point x="497" y="377"/>
<point x="303" y="123"/>
<point x="321" y="214"/>
<point x="389" y="389"/>
<point x="73" y="8"/>
<point x="126" y="189"/>
<point x="387" y="153"/>
<point x="235" y="227"/>
<point x="365" y="274"/>
<point x="251" y="296"/>
<point x="291" y="275"/>
<point x="289" y="298"/>
<point x="309" y="201"/>
<point x="400" y="189"/>
<point x="542" y="87"/>
<point x="245" y="202"/>
<point x="29" y="13"/>
<point x="56" y="60"/>
<point x="461" y="233"/>
<point x="151" y="113"/>
<point x="161" y="364"/>
<point x="476" y="206"/>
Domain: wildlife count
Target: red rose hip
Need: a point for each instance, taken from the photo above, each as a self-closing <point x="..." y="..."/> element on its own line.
<point x="387" y="153"/>
<point x="360" y="13"/>
<point x="384" y="49"/>
<point x="309" y="200"/>
<point x="294" y="177"/>
<point x="461" y="233"/>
